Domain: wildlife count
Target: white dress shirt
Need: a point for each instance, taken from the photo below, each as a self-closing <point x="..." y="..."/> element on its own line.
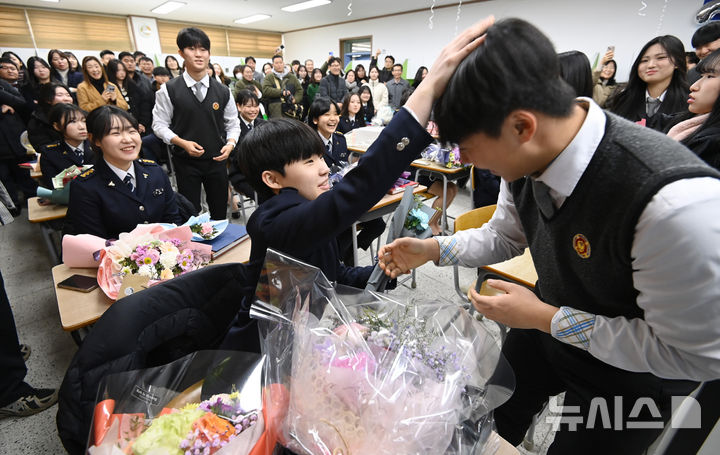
<point x="121" y="174"/>
<point x="163" y="111"/>
<point x="675" y="257"/>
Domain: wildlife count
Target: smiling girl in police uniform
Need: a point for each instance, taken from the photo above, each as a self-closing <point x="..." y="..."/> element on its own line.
<point x="121" y="191"/>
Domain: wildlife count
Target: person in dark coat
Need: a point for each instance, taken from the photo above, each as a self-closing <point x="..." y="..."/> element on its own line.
<point x="39" y="128"/>
<point x="121" y="191"/>
<point x="333" y="85"/>
<point x="12" y="151"/>
<point x="248" y="106"/>
<point x="73" y="149"/>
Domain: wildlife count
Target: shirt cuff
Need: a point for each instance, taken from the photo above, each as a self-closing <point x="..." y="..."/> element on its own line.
<point x="448" y="250"/>
<point x="573" y="327"/>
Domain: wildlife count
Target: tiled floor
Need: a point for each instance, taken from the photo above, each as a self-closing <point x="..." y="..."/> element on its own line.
<point x="28" y="282"/>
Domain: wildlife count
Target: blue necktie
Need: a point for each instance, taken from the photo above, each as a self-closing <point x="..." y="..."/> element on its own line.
<point x="128" y="181"/>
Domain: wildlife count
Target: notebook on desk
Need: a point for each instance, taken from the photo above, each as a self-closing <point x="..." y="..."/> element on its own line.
<point x="234" y="234"/>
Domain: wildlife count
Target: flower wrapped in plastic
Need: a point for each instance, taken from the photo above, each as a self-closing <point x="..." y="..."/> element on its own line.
<point x="366" y="374"/>
<point x="209" y="402"/>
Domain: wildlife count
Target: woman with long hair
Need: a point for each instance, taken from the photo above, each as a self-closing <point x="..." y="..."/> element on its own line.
<point x="173" y="66"/>
<point x="40" y="129"/>
<point x="699" y="128"/>
<point x="657" y="86"/>
<point x="220" y="75"/>
<point x="138" y="106"/>
<point x="575" y="70"/>
<point x="379" y="91"/>
<point x="39" y="71"/>
<point x="367" y="111"/>
<point x="350" y="82"/>
<point x="350" y="115"/>
<point x="314" y="85"/>
<point x="419" y="76"/>
<point x="360" y="74"/>
<point x="604" y="84"/>
<point x="74" y="62"/>
<point x="61" y="71"/>
<point x="96" y="90"/>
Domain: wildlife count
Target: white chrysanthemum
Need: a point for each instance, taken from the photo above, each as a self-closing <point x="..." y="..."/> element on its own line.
<point x="168" y="260"/>
<point x="126" y="271"/>
<point x="146" y="270"/>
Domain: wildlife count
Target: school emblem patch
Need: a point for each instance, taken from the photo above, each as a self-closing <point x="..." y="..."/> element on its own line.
<point x="216" y="106"/>
<point x="581" y="246"/>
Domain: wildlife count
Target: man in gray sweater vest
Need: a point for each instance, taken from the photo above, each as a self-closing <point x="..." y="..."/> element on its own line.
<point x="624" y="317"/>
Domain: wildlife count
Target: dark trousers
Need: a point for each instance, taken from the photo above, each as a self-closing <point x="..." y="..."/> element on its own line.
<point x="12" y="364"/>
<point x="545" y="367"/>
<point x="17" y="179"/>
<point x="194" y="173"/>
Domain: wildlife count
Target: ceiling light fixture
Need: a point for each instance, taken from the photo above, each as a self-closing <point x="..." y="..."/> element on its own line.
<point x="305" y="5"/>
<point x="52" y="1"/>
<point x="168" y="7"/>
<point x="253" y="18"/>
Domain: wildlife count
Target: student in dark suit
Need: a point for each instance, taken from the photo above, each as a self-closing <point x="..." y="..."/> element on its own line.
<point x="323" y="117"/>
<point x="350" y="115"/>
<point x="61" y="71"/>
<point x="39" y="128"/>
<point x="121" y="191"/>
<point x="248" y="106"/>
<point x="73" y="149"/>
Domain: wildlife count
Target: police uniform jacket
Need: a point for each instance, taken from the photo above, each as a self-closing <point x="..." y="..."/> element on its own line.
<point x="307" y="229"/>
<point x="101" y="204"/>
<point x="58" y="156"/>
<point x="345" y="124"/>
<point x="339" y="152"/>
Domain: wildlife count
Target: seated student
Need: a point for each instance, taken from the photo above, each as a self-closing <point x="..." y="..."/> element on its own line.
<point x="121" y="191"/>
<point x="73" y="149"/>
<point x="39" y="128"/>
<point x="699" y="129"/>
<point x="657" y="86"/>
<point x="96" y="90"/>
<point x="367" y="111"/>
<point x="618" y="220"/>
<point x="323" y="117"/>
<point x="160" y="76"/>
<point x="350" y="116"/>
<point x="248" y="106"/>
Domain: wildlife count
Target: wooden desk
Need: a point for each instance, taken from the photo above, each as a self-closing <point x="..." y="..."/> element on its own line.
<point x="520" y="269"/>
<point x="447" y="174"/>
<point x="43" y="214"/>
<point x="78" y="309"/>
<point x="385" y="205"/>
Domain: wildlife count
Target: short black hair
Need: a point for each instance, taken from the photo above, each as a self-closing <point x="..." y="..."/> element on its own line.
<point x="239" y="68"/>
<point x="137" y="53"/>
<point x="250" y="57"/>
<point x="192" y="36"/>
<point x="277" y="56"/>
<point x="106" y="52"/>
<point x="397" y="64"/>
<point x="320" y="106"/>
<point x="295" y="62"/>
<point x="160" y="71"/>
<point x="245" y="95"/>
<point x="335" y="59"/>
<point x="64" y="113"/>
<point x="705" y="34"/>
<point x="273" y="145"/>
<point x="46" y="94"/>
<point x="8" y="60"/>
<point x="146" y="59"/>
<point x="575" y="70"/>
<point x="390" y="57"/>
<point x="124" y="54"/>
<point x="515" y="68"/>
<point x="691" y="57"/>
<point x="100" y="122"/>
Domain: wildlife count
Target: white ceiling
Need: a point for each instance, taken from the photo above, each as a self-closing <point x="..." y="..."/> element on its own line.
<point x="224" y="12"/>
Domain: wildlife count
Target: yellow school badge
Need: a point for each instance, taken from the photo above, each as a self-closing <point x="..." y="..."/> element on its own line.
<point x="581" y="245"/>
<point x="216" y="106"/>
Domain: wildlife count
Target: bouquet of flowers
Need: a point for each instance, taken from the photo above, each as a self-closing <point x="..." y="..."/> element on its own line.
<point x="161" y="411"/>
<point x="67" y="175"/>
<point x="449" y="158"/>
<point x="151" y="251"/>
<point x="366" y="374"/>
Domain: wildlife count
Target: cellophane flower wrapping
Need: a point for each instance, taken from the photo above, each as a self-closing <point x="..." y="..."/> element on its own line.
<point x="366" y="374"/>
<point x="209" y="402"/>
<point x="150" y="250"/>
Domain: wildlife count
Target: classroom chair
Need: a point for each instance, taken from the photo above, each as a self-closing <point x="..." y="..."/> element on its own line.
<point x="473" y="219"/>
